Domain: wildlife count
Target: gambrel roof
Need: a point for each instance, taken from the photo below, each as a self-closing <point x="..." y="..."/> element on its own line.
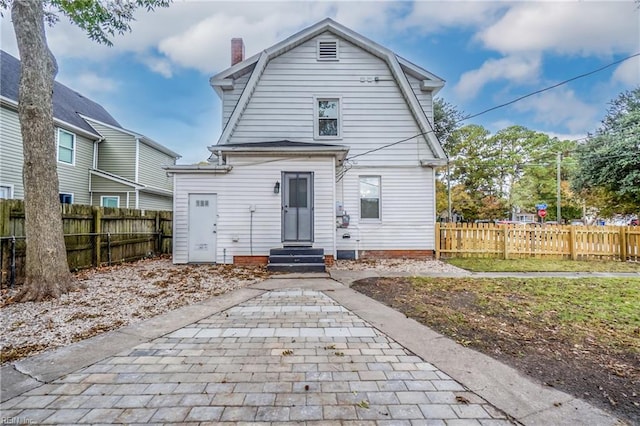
<point x="398" y="66"/>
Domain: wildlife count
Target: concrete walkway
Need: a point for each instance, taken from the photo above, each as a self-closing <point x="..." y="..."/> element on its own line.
<point x="301" y="350"/>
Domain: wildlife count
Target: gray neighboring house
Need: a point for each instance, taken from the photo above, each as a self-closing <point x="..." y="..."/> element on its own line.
<point x="99" y="162"/>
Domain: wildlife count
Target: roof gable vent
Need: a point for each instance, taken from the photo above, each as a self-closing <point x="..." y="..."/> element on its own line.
<point x="327" y="50"/>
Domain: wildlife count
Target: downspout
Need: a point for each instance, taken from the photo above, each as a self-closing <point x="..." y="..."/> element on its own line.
<point x="220" y="158"/>
<point x="137" y="167"/>
<point x="137" y="170"/>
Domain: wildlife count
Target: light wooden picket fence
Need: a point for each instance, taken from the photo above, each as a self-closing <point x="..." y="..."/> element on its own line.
<point x="555" y="241"/>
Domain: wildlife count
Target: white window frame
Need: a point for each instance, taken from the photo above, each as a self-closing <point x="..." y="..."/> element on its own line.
<point x="330" y="40"/>
<point x="316" y="118"/>
<point x="9" y="188"/>
<point x="73" y="148"/>
<point x="66" y="193"/>
<point x="104" y="197"/>
<point x="370" y="219"/>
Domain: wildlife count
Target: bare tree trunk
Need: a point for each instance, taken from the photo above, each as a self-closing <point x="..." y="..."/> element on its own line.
<point x="47" y="271"/>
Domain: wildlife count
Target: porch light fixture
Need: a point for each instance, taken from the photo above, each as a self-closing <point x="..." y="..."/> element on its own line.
<point x="276" y="188"/>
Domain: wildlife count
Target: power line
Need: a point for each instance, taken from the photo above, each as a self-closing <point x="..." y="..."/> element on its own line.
<point x="500" y="106"/>
<point x="549" y="87"/>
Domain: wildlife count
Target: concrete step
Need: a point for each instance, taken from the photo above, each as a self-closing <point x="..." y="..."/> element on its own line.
<point x="309" y="251"/>
<point x="296" y="258"/>
<point x="297" y="267"/>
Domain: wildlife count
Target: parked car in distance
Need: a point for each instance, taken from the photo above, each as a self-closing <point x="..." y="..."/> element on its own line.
<point x="577" y="222"/>
<point x="633" y="222"/>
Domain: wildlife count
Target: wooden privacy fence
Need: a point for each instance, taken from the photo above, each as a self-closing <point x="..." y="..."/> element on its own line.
<point x="94" y="236"/>
<point x="520" y="241"/>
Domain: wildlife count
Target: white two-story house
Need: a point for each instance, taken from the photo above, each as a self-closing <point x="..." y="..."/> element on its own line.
<point x="327" y="143"/>
<point x="99" y="162"/>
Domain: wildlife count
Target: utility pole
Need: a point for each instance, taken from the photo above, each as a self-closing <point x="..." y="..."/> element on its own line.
<point x="558" y="177"/>
<point x="448" y="193"/>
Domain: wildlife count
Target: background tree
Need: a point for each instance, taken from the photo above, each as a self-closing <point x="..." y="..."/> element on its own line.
<point x="608" y="163"/>
<point x="46" y="271"/>
<point x="447" y="120"/>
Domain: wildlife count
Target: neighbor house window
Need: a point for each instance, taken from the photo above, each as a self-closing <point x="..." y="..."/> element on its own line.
<point x="66" y="147"/>
<point x="110" y="201"/>
<point x="66" y="198"/>
<point x="327" y="50"/>
<point x="370" y="197"/>
<point x="327" y="121"/>
<point x="6" y="191"/>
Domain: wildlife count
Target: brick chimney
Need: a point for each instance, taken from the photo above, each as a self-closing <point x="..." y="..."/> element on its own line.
<point x="237" y="51"/>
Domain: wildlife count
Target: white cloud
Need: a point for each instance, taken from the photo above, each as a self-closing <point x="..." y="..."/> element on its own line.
<point x="628" y="72"/>
<point x="602" y="28"/>
<point x="561" y="108"/>
<point x="433" y="16"/>
<point x="513" y="68"/>
<point x="88" y="83"/>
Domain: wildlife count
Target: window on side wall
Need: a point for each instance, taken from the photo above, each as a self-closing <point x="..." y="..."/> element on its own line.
<point x="66" y="198"/>
<point x="370" y="198"/>
<point x="110" y="201"/>
<point x="66" y="147"/>
<point x="327" y="118"/>
<point x="6" y="192"/>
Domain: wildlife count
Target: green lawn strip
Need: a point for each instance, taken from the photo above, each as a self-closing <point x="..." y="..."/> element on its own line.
<point x="606" y="309"/>
<point x="541" y="265"/>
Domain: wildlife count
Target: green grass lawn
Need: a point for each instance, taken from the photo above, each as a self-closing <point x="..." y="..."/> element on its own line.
<point x="541" y="265"/>
<point x="606" y="308"/>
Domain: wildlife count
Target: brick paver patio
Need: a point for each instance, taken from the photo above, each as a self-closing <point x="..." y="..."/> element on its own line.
<point x="285" y="356"/>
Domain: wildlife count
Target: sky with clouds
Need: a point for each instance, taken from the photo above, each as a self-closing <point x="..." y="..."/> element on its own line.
<point x="155" y="80"/>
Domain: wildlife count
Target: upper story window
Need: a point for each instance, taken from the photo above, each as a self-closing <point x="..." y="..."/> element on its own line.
<point x="370" y="197"/>
<point x="66" y="147"/>
<point x="327" y="50"/>
<point x="327" y="118"/>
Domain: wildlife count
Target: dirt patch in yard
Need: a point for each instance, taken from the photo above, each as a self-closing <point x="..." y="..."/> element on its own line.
<point x="599" y="363"/>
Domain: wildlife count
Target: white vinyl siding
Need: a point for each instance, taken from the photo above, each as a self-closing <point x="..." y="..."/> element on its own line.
<point x="407" y="210"/>
<point x="66" y="142"/>
<point x="150" y="168"/>
<point x="230" y="97"/>
<point x="11" y="157"/>
<point x="425" y="98"/>
<point x="374" y="113"/>
<point x="117" y="152"/>
<point x="251" y="182"/>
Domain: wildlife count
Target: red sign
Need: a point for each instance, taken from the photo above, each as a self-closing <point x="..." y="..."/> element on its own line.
<point x="542" y="212"/>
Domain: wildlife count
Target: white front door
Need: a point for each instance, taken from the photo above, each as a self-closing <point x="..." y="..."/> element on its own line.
<point x="203" y="224"/>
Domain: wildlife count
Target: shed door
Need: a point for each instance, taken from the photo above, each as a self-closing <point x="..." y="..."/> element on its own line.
<point x="203" y="223"/>
<point x="297" y="207"/>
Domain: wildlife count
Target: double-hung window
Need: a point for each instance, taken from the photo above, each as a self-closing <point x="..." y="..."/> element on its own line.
<point x="370" y="197"/>
<point x="327" y="118"/>
<point x="66" y="147"/>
